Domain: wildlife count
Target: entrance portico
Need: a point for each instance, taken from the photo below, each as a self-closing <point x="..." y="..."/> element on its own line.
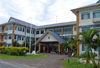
<point x="50" y="42"/>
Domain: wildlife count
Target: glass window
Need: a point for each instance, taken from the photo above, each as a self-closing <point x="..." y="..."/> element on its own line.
<point x="42" y="31"/>
<point x="10" y="27"/>
<point x="74" y="28"/>
<point x="57" y="30"/>
<point x="22" y="38"/>
<point x="28" y="30"/>
<point x="15" y="37"/>
<point x="10" y="36"/>
<point x="84" y="48"/>
<point x="16" y="27"/>
<point x="18" y="37"/>
<point x="67" y="30"/>
<point x="85" y="15"/>
<point x="32" y="31"/>
<point x="0" y="29"/>
<point x="23" y="29"/>
<point x="27" y="38"/>
<point x="85" y="28"/>
<point x="37" y="32"/>
<point x="6" y="28"/>
<point x="50" y="29"/>
<point x="5" y="37"/>
<point x="96" y="14"/>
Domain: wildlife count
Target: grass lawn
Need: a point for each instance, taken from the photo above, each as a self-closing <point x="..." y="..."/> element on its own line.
<point x="73" y="64"/>
<point x="23" y="57"/>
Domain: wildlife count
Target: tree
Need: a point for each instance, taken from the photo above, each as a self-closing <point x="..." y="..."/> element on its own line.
<point x="86" y="37"/>
<point x="70" y="44"/>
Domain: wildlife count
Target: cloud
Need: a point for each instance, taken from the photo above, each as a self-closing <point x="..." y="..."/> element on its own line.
<point x="40" y="12"/>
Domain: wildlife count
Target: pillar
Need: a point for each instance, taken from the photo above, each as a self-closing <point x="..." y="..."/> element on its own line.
<point x="62" y="32"/>
<point x="77" y="26"/>
<point x="59" y="47"/>
<point x="13" y="30"/>
<point x="25" y="35"/>
<point x="39" y="47"/>
<point x="72" y="30"/>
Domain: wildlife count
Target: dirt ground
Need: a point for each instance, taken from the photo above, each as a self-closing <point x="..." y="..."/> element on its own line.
<point x="52" y="61"/>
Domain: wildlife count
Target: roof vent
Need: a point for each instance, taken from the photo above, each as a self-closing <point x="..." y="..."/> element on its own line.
<point x="98" y="1"/>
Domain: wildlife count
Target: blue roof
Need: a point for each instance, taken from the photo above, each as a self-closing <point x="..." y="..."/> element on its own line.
<point x="20" y="22"/>
<point x="61" y="40"/>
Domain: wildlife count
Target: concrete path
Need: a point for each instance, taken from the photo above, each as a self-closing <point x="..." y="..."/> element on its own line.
<point x="52" y="61"/>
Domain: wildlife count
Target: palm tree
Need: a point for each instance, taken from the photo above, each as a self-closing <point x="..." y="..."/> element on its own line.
<point x="86" y="37"/>
<point x="71" y="44"/>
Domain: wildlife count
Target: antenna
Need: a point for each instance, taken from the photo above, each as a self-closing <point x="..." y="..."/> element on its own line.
<point x="56" y="19"/>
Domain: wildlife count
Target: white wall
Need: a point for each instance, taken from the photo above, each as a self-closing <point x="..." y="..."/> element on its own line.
<point x="48" y="37"/>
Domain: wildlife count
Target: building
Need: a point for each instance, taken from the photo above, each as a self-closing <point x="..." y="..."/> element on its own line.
<point x="88" y="17"/>
<point x="51" y="36"/>
<point x="17" y="30"/>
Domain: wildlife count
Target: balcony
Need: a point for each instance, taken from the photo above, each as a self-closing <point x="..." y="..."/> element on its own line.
<point x="3" y="33"/>
<point x="96" y="20"/>
<point x="2" y="42"/>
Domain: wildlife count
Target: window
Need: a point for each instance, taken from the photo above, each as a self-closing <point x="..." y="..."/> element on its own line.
<point x="96" y="14"/>
<point x="27" y="38"/>
<point x="42" y="31"/>
<point x="86" y="28"/>
<point x="37" y="32"/>
<point x="18" y="37"/>
<point x="67" y="30"/>
<point x="85" y="15"/>
<point x="57" y="30"/>
<point x="0" y="29"/>
<point x="22" y="38"/>
<point x="50" y="29"/>
<point x="15" y="37"/>
<point x="5" y="37"/>
<point x="74" y="28"/>
<point x="84" y="48"/>
<point x="10" y="27"/>
<point x="32" y="31"/>
<point x="28" y="30"/>
<point x="10" y="36"/>
<point x="6" y="28"/>
<point x="16" y="27"/>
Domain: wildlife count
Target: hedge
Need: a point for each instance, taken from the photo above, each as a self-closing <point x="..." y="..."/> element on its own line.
<point x="17" y="51"/>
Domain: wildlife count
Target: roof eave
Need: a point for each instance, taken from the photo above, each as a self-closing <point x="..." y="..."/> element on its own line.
<point x="77" y="9"/>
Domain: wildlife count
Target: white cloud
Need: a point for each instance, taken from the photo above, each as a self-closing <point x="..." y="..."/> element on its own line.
<point x="40" y="11"/>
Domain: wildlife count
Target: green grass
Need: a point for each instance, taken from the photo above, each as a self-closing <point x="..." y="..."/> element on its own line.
<point x="22" y="57"/>
<point x="73" y="64"/>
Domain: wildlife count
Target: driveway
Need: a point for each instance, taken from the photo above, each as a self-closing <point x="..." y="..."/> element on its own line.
<point x="52" y="61"/>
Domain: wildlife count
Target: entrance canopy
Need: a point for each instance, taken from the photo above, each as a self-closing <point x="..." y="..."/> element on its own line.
<point x="50" y="42"/>
<point x="50" y="36"/>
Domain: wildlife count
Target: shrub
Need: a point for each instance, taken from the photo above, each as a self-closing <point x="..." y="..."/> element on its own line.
<point x="17" y="51"/>
<point x="86" y="54"/>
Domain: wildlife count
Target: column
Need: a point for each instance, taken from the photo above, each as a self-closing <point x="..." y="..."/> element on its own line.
<point x="13" y="30"/>
<point x="72" y="30"/>
<point x="25" y="35"/>
<point x="59" y="47"/>
<point x="77" y="26"/>
<point x="62" y="32"/>
<point x="39" y="47"/>
<point x="53" y="29"/>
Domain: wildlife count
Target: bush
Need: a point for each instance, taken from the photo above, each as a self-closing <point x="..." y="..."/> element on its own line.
<point x="86" y="54"/>
<point x="17" y="51"/>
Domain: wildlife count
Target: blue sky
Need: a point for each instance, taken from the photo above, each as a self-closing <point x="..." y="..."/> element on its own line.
<point x="40" y="12"/>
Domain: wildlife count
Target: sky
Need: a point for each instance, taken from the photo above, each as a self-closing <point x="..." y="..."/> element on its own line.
<point x="40" y="12"/>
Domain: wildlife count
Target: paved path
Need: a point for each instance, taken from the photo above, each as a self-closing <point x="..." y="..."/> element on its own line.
<point x="52" y="61"/>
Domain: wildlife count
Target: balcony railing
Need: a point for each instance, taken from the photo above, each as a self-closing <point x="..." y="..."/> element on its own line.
<point x="3" y="33"/>
<point x="96" y="20"/>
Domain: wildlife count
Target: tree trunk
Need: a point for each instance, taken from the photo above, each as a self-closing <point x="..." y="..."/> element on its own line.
<point x="93" y="60"/>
